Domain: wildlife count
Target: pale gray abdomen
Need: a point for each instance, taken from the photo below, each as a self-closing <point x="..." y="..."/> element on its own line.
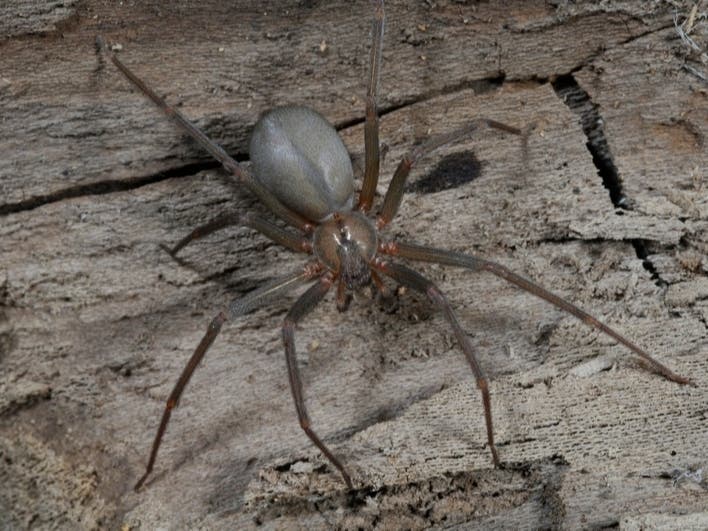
<point x="300" y="158"/>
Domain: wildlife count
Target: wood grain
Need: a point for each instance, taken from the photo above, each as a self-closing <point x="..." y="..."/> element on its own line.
<point x="96" y="320"/>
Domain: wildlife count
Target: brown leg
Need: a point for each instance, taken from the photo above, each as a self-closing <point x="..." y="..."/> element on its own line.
<point x="215" y="150"/>
<point x="204" y="344"/>
<point x="380" y="286"/>
<point x="343" y="298"/>
<point x="271" y="231"/>
<point x="302" y="307"/>
<point x="387" y="301"/>
<point x="252" y="300"/>
<point x="427" y="254"/>
<point x="371" y="126"/>
<point x="408" y="277"/>
<point x="394" y="194"/>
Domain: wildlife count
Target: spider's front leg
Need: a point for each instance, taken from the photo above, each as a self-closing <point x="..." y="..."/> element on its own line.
<point x="394" y="193"/>
<point x="371" y="126"/>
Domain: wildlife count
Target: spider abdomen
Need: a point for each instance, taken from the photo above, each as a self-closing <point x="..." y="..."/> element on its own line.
<point x="298" y="156"/>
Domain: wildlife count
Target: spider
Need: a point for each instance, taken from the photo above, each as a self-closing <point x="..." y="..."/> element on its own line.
<point x="303" y="173"/>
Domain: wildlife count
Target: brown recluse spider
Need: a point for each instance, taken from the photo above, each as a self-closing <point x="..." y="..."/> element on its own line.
<point x="302" y="172"/>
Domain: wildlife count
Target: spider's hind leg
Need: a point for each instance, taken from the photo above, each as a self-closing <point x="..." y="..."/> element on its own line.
<point x="278" y="235"/>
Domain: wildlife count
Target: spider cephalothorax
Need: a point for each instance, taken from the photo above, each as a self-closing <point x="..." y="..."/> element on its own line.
<point x="346" y="244"/>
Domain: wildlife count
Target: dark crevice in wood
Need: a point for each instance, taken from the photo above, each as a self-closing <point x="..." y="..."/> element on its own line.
<point x="106" y="187"/>
<point x="640" y="247"/>
<point x="562" y="239"/>
<point x="657" y="29"/>
<point x="579" y="101"/>
<point x="450" y="499"/>
<point x="568" y="90"/>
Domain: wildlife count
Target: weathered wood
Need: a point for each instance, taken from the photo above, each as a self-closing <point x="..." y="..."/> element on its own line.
<point x="227" y="63"/>
<point x="96" y="320"/>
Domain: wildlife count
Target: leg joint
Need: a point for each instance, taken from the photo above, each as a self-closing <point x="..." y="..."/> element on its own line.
<point x="288" y="326"/>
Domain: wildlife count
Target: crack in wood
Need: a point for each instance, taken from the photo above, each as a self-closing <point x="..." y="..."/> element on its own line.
<point x="105" y="187"/>
<point x="578" y="101"/>
<point x="591" y="121"/>
<point x="450" y="499"/>
<point x="480" y="86"/>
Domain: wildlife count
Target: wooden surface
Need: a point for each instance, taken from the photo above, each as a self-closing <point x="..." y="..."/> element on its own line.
<point x="96" y="320"/>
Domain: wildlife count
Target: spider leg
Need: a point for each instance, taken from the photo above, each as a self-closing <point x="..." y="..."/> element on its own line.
<point x="215" y="150"/>
<point x="380" y="286"/>
<point x="418" y="282"/>
<point x="371" y="125"/>
<point x="302" y="307"/>
<point x="438" y="256"/>
<point x="343" y="297"/>
<point x="394" y="194"/>
<point x="283" y="237"/>
<point x="245" y="304"/>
